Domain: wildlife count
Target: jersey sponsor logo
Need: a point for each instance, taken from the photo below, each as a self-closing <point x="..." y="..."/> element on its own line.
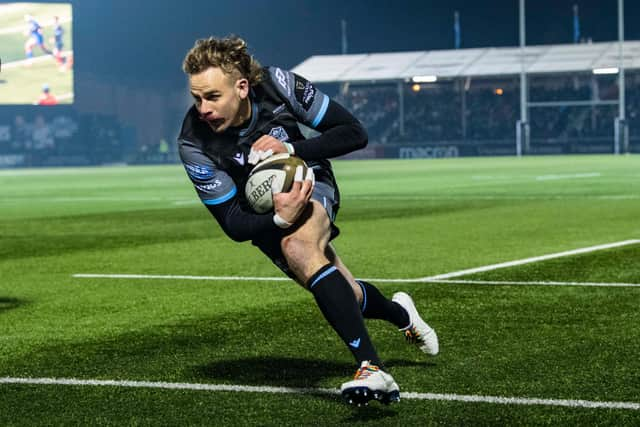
<point x="239" y="158"/>
<point x="279" y="133"/>
<point x="305" y="93"/>
<point x="282" y="79"/>
<point x="205" y="188"/>
<point x="199" y="172"/>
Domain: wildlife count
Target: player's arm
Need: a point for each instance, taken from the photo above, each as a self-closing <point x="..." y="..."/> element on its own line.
<point x="341" y="132"/>
<point x="218" y="193"/>
<point x="239" y="224"/>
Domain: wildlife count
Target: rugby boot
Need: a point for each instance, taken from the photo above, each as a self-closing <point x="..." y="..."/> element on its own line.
<point x="370" y="383"/>
<point x="418" y="332"/>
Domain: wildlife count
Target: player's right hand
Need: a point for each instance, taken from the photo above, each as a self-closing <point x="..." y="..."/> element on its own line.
<point x="289" y="206"/>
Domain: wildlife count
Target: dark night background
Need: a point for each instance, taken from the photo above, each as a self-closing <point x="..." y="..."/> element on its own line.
<point x="144" y="41"/>
<point x="128" y="53"/>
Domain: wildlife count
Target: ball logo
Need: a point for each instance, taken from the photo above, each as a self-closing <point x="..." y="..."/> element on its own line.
<point x="260" y="190"/>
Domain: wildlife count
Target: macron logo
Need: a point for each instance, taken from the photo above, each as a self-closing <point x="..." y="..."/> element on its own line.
<point x="239" y="158"/>
<point x="355" y="343"/>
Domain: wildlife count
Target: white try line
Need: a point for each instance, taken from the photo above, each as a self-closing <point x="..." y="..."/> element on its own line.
<point x="441" y="278"/>
<point x="533" y="259"/>
<point x="568" y="176"/>
<point x="378" y="280"/>
<point x="537" y="283"/>
<point x="290" y="390"/>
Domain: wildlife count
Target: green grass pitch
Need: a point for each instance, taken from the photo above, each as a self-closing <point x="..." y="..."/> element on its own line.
<point x="399" y="219"/>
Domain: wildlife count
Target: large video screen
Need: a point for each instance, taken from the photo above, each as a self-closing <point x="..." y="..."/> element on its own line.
<point x="37" y="53"/>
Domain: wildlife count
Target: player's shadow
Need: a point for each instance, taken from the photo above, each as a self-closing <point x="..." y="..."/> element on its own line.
<point x="283" y="371"/>
<point x="8" y="303"/>
<point x="274" y="371"/>
<point x="296" y="373"/>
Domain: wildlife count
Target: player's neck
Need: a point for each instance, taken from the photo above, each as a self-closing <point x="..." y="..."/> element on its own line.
<point x="244" y="112"/>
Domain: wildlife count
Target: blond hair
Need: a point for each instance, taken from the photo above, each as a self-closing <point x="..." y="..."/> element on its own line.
<point x="229" y="54"/>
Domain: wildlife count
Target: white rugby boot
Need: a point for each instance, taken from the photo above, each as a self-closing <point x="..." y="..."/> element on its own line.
<point x="418" y="331"/>
<point x="370" y="383"/>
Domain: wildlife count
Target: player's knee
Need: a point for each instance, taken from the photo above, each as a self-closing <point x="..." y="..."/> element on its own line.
<point x="304" y="249"/>
<point x="295" y="248"/>
<point x="304" y="257"/>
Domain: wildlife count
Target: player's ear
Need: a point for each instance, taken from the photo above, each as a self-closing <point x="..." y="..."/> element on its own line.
<point x="242" y="88"/>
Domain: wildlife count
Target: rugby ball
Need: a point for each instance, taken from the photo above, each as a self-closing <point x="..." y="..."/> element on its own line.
<point x="272" y="175"/>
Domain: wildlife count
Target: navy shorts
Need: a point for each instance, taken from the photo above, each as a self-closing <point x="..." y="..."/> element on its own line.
<point x="324" y="193"/>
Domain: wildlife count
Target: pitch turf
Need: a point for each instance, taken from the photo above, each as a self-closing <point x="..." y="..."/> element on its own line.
<point x="399" y="219"/>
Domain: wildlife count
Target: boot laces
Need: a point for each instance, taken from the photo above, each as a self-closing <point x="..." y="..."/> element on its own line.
<point x="365" y="371"/>
<point x="412" y="335"/>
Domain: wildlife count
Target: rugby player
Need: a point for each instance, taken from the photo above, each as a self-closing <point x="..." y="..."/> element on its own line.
<point x="35" y="37"/>
<point x="241" y="114"/>
<point x="58" y="34"/>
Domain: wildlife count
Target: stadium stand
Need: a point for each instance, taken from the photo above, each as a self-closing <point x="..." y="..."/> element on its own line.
<point x="474" y="103"/>
<point x="471" y="109"/>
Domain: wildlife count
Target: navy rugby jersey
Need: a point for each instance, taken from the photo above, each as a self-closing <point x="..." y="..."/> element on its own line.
<point x="217" y="163"/>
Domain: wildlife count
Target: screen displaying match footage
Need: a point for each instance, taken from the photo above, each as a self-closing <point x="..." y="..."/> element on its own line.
<point x="37" y="53"/>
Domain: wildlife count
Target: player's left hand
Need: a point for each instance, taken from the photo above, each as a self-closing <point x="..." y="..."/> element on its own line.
<point x="264" y="147"/>
<point x="289" y="206"/>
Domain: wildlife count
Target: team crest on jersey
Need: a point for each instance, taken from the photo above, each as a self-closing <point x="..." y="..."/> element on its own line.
<point x="279" y="133"/>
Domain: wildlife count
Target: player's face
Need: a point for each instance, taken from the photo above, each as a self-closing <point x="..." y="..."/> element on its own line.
<point x="221" y="99"/>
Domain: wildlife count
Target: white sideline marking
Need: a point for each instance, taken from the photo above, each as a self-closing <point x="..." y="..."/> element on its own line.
<point x="531" y="260"/>
<point x="542" y="283"/>
<point x="440" y="278"/>
<point x="290" y="390"/>
<point x="419" y="280"/>
<point x="568" y="176"/>
<point x="497" y="197"/>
